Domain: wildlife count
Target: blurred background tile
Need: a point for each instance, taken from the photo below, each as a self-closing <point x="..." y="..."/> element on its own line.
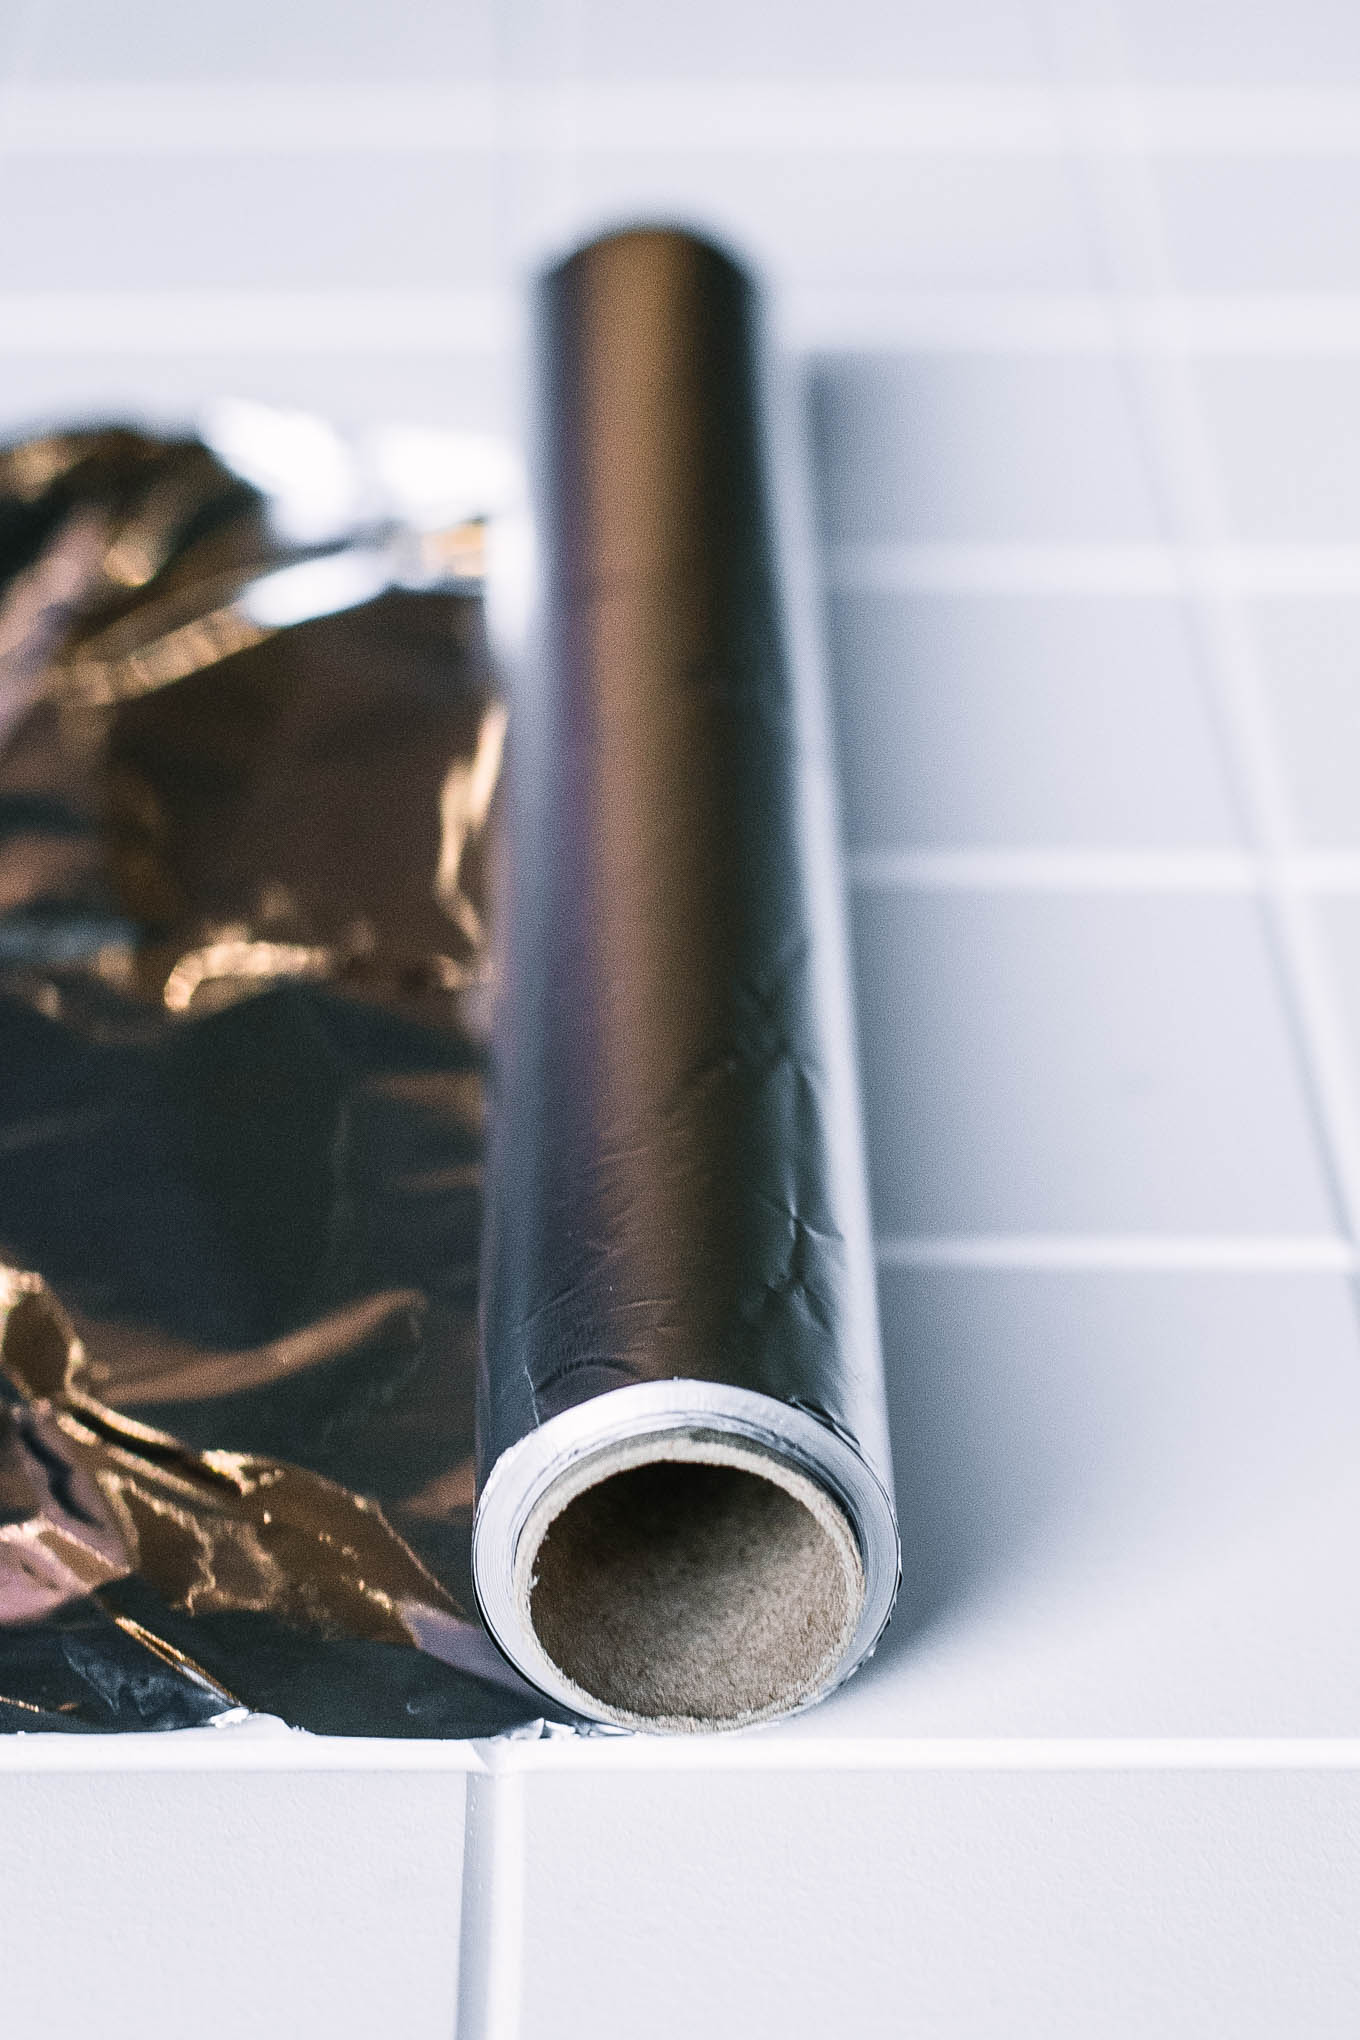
<point x="1285" y="435"/>
<point x="851" y="219"/>
<point x="253" y="221"/>
<point x="412" y="39"/>
<point x="1339" y="920"/>
<point x="1239" y="222"/>
<point x="302" y="41"/>
<point x="994" y="447"/>
<point x="1310" y="655"/>
<point x="1254" y="42"/>
<point x="1072" y="1062"/>
<point x="972" y="39"/>
<point x="1022" y="719"/>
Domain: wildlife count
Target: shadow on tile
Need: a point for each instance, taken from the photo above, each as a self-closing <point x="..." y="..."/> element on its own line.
<point x="914" y="448"/>
<point x="974" y="1461"/>
<point x="1087" y="1439"/>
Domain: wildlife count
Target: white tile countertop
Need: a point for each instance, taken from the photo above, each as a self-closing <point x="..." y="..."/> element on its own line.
<point x="1075" y="289"/>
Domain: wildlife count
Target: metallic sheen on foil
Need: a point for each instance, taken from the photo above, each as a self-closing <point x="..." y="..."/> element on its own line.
<point x="243" y="961"/>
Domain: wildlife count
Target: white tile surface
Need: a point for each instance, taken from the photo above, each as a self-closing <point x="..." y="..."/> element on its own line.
<point x="1282" y="223"/>
<point x="238" y="1907"/>
<point x="937" y="446"/>
<point x="1131" y="1503"/>
<point x="1261" y="42"/>
<point x="1339" y="920"/>
<point x="987" y="39"/>
<point x="1069" y="1063"/>
<point x="257" y="222"/>
<point x="1310" y="654"/>
<point x="1016" y="1905"/>
<point x="143" y="40"/>
<point x="1024" y="720"/>
<point x="1285" y="436"/>
<point x="976" y="38"/>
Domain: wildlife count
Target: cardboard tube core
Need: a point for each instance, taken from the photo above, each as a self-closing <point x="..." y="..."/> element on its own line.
<point x="695" y="1582"/>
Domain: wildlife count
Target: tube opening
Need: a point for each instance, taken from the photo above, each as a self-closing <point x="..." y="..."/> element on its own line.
<point x="693" y="1585"/>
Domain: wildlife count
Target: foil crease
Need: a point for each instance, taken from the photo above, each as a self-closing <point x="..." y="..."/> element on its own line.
<point x="210" y="1530"/>
<point x="248" y="799"/>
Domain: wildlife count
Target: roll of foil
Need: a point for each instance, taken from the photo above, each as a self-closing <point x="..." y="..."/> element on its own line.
<point x="684" y="1518"/>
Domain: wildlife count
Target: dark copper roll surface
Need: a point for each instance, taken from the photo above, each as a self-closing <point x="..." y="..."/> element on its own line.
<point x="685" y="1520"/>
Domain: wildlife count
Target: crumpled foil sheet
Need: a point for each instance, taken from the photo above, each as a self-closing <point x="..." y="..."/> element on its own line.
<point x="248" y="801"/>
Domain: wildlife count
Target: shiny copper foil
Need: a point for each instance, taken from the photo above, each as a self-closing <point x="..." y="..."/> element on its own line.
<point x="244" y="884"/>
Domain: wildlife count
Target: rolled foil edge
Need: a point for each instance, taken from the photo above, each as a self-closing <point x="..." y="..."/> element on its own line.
<point x="712" y="1580"/>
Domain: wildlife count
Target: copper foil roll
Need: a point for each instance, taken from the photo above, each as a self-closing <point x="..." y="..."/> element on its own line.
<point x="684" y="1519"/>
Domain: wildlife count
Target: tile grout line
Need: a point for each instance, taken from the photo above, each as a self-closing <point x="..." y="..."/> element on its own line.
<point x="494" y="1861"/>
<point x="765" y="1752"/>
<point x="696" y="117"/>
<point x="1015" y="567"/>
<point x="1044" y="871"/>
<point x="1128" y="221"/>
<point x="1041" y="870"/>
<point x="809" y="317"/>
<point x="986" y="320"/>
<point x="491" y="1932"/>
<point x="495" y="1898"/>
<point x="479" y="320"/>
<point x="1113" y="1253"/>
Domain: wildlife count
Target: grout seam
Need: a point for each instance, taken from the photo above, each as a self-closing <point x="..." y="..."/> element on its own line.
<point x="1258" y="322"/>
<point x="231" y="321"/>
<point x="1112" y="1253"/>
<point x="645" y="115"/>
<point x="1017" y="568"/>
<point x="788" y="1752"/>
<point x="809" y="317"/>
<point x="1078" y="869"/>
<point x="494" y="1863"/>
<point x="1060" y="870"/>
<point x="491" y="1934"/>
